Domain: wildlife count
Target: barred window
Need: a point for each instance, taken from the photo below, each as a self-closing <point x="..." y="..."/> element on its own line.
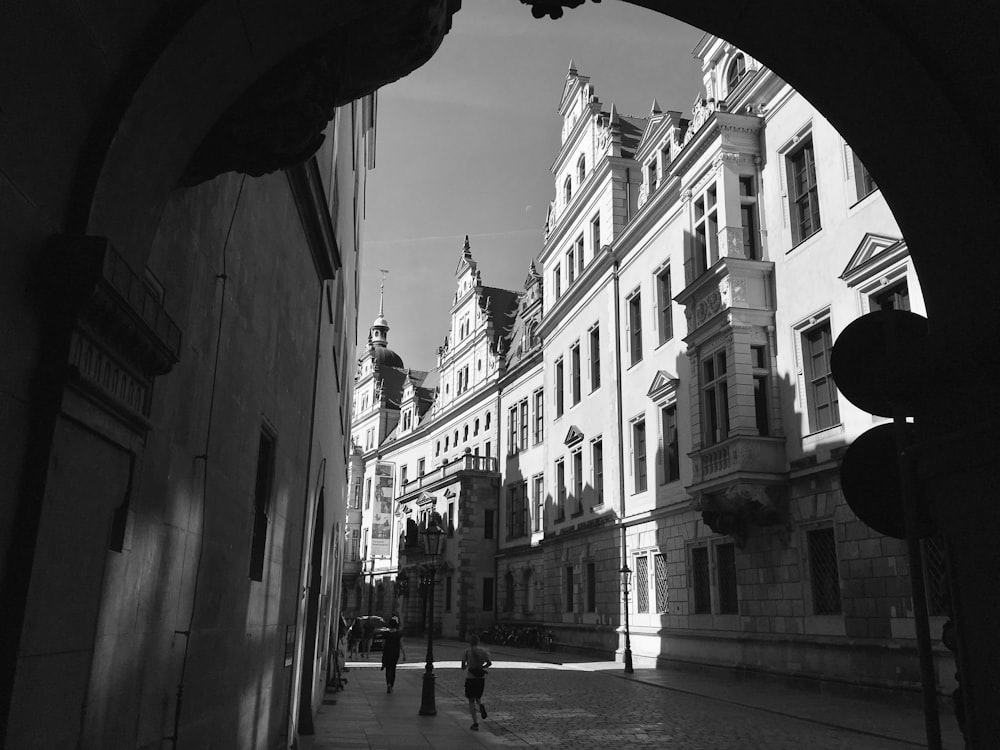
<point x="823" y="571"/>
<point x="700" y="581"/>
<point x="591" y="587"/>
<point x="642" y="583"/>
<point x="569" y="588"/>
<point x="660" y="572"/>
<point x="725" y="557"/>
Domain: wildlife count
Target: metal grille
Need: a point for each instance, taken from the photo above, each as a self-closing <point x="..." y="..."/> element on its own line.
<point x="660" y="573"/>
<point x="936" y="575"/>
<point x="823" y="572"/>
<point x="700" y="581"/>
<point x="725" y="558"/>
<point x="642" y="584"/>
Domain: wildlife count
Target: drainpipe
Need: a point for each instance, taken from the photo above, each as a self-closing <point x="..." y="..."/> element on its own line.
<point x="618" y="406"/>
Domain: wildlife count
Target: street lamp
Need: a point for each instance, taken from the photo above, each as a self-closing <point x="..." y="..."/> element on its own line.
<point x="626" y="575"/>
<point x="433" y="537"/>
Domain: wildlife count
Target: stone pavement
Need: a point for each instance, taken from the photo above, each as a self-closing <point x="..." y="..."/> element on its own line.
<point x="557" y="700"/>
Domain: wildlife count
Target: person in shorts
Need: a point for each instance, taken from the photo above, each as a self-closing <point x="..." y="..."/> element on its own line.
<point x="475" y="661"/>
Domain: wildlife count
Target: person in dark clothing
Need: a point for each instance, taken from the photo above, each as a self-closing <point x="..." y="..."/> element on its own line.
<point x="475" y="661"/>
<point x="392" y="648"/>
<point x="367" y="634"/>
<point x="354" y="639"/>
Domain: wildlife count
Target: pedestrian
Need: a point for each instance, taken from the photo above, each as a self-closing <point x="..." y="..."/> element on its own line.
<point x="392" y="647"/>
<point x="475" y="661"/>
<point x="354" y="638"/>
<point x="367" y="634"/>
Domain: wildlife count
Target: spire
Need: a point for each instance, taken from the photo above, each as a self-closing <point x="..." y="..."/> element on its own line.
<point x="655" y="109"/>
<point x="467" y="250"/>
<point x="572" y="69"/>
<point x="613" y="119"/>
<point x="380" y="328"/>
<point x="381" y="292"/>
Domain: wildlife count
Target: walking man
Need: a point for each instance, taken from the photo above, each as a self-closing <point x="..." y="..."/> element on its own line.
<point x="367" y="634"/>
<point x="391" y="650"/>
<point x="475" y="661"/>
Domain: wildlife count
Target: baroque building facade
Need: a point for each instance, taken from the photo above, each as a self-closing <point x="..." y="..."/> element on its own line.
<point x="658" y="395"/>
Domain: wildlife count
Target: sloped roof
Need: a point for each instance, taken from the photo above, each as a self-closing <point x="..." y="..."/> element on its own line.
<point x="501" y="307"/>
<point x="632" y="130"/>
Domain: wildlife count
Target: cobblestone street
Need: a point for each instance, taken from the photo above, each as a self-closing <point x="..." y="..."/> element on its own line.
<point x="577" y="705"/>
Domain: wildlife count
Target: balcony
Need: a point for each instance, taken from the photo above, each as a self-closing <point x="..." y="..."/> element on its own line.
<point x="464" y="463"/>
<point x="742" y="456"/>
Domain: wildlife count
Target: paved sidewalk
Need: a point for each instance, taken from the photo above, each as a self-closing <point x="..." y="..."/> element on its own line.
<point x="364" y="717"/>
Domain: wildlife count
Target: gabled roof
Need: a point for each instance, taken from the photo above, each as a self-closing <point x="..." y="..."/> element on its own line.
<point x="500" y="306"/>
<point x="574" y="435"/>
<point x="632" y="130"/>
<point x="872" y="249"/>
<point x="662" y="386"/>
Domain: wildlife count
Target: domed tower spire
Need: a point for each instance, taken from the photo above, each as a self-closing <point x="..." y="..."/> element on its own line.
<point x="380" y="328"/>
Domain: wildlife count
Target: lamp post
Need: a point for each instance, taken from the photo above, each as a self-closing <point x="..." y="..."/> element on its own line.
<point x="626" y="575"/>
<point x="433" y="537"/>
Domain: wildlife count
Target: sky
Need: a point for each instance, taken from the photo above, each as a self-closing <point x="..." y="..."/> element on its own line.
<point x="465" y="143"/>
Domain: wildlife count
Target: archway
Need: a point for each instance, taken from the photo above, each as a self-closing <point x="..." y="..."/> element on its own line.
<point x="311" y="645"/>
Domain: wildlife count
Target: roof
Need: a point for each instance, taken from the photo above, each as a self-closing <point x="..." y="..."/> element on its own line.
<point x="501" y="307"/>
<point x="632" y="130"/>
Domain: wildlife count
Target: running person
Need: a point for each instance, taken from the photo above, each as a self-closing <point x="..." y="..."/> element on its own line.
<point x="475" y="661"/>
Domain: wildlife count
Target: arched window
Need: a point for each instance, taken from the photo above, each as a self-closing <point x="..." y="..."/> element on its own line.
<point x="475" y="428"/>
<point x="488" y="415"/>
<point x="465" y="433"/>
<point x="737" y="69"/>
<point x="437" y="448"/>
<point x="456" y="438"/>
<point x="581" y="168"/>
<point x="446" y="442"/>
<point x="568" y="190"/>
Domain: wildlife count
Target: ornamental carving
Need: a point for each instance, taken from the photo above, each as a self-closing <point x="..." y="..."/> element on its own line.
<point x="708" y="306"/>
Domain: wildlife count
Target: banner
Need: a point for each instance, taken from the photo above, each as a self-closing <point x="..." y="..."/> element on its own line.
<point x="382" y="510"/>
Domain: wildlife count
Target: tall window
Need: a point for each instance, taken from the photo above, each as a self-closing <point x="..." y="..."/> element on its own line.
<point x="642" y="583"/>
<point x="578" y="480"/>
<point x="574" y="369"/>
<point x="557" y="279"/>
<point x="579" y="255"/>
<point x="651" y="175"/>
<point x="725" y="560"/>
<point x="706" y="231"/>
<point x="539" y="397"/>
<point x="421" y="467"/>
<point x="759" y="360"/>
<point x="512" y="431"/>
<point x="664" y="302"/>
<point x="581" y="168"/>
<point x="635" y="327"/>
<point x="671" y="454"/>
<point x="597" y="463"/>
<point x="821" y="393"/>
<point x="517" y="509"/>
<point x="700" y="583"/>
<point x="489" y="522"/>
<point x="660" y="580"/>
<point x="368" y="493"/>
<point x="591" y="587"/>
<point x="404" y="474"/>
<point x="715" y="398"/>
<point x="559" y="388"/>
<point x="523" y="406"/>
<point x="595" y="235"/>
<point x="803" y="193"/>
<point x="538" y="492"/>
<point x="568" y="190"/>
<point x="261" y="503"/>
<point x="639" y="454"/>
<point x="895" y="297"/>
<point x="560" y="490"/>
<point x="864" y="185"/>
<point x="734" y="74"/>
<point x="595" y="358"/>
<point x="569" y="591"/>
<point x="748" y="217"/>
<point x="571" y="264"/>
<point x="487" y="594"/>
<point x="823" y="571"/>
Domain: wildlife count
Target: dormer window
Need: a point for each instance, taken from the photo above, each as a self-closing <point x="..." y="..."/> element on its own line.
<point x="568" y="190"/>
<point x="737" y="69"/>
<point x="581" y="168"/>
<point x="651" y="175"/>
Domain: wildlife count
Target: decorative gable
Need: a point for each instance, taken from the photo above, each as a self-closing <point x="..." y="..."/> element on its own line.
<point x="574" y="436"/>
<point x="876" y="253"/>
<point x="663" y="387"/>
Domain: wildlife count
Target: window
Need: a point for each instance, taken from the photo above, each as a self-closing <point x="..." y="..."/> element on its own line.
<point x="660" y="575"/>
<point x="539" y="430"/>
<point x="579" y="255"/>
<point x="595" y="358"/>
<point x="635" y="327"/>
<point x="591" y="587"/>
<point x="571" y="264"/>
<point x="523" y="406"/>
<point x="823" y="571"/>
<point x="508" y="599"/>
<point x="715" y="398"/>
<point x="569" y="588"/>
<point x="437" y="448"/>
<point x="759" y="361"/>
<point x="706" y="231"/>
<point x="671" y="453"/>
<point x="803" y="194"/>
<point x="578" y="480"/>
<point x="568" y="190"/>
<point x="512" y="431"/>
<point x="486" y="449"/>
<point x="642" y="584"/>
<point x="664" y="302"/>
<point x="581" y="168"/>
<point x="560" y="490"/>
<point x="639" y="454"/>
<point x="421" y="466"/>
<point x="651" y="175"/>
<point x="597" y="464"/>
<point x="487" y="594"/>
<point x="559" y="387"/>
<point x="895" y="297"/>
<point x="595" y="235"/>
<point x="488" y="522"/>
<point x="557" y="279"/>
<point x="734" y="74"/>
<point x="821" y="393"/>
<point x="748" y="218"/>
<point x="447" y="442"/>
<point x="489" y="416"/>
<point x="368" y="493"/>
<point x="517" y="510"/>
<point x="262" y="502"/>
<point x="864" y="185"/>
<point x="403" y="474"/>
<point x="725" y="561"/>
<point x="574" y="365"/>
<point x="539" y="498"/>
<point x="700" y="581"/>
